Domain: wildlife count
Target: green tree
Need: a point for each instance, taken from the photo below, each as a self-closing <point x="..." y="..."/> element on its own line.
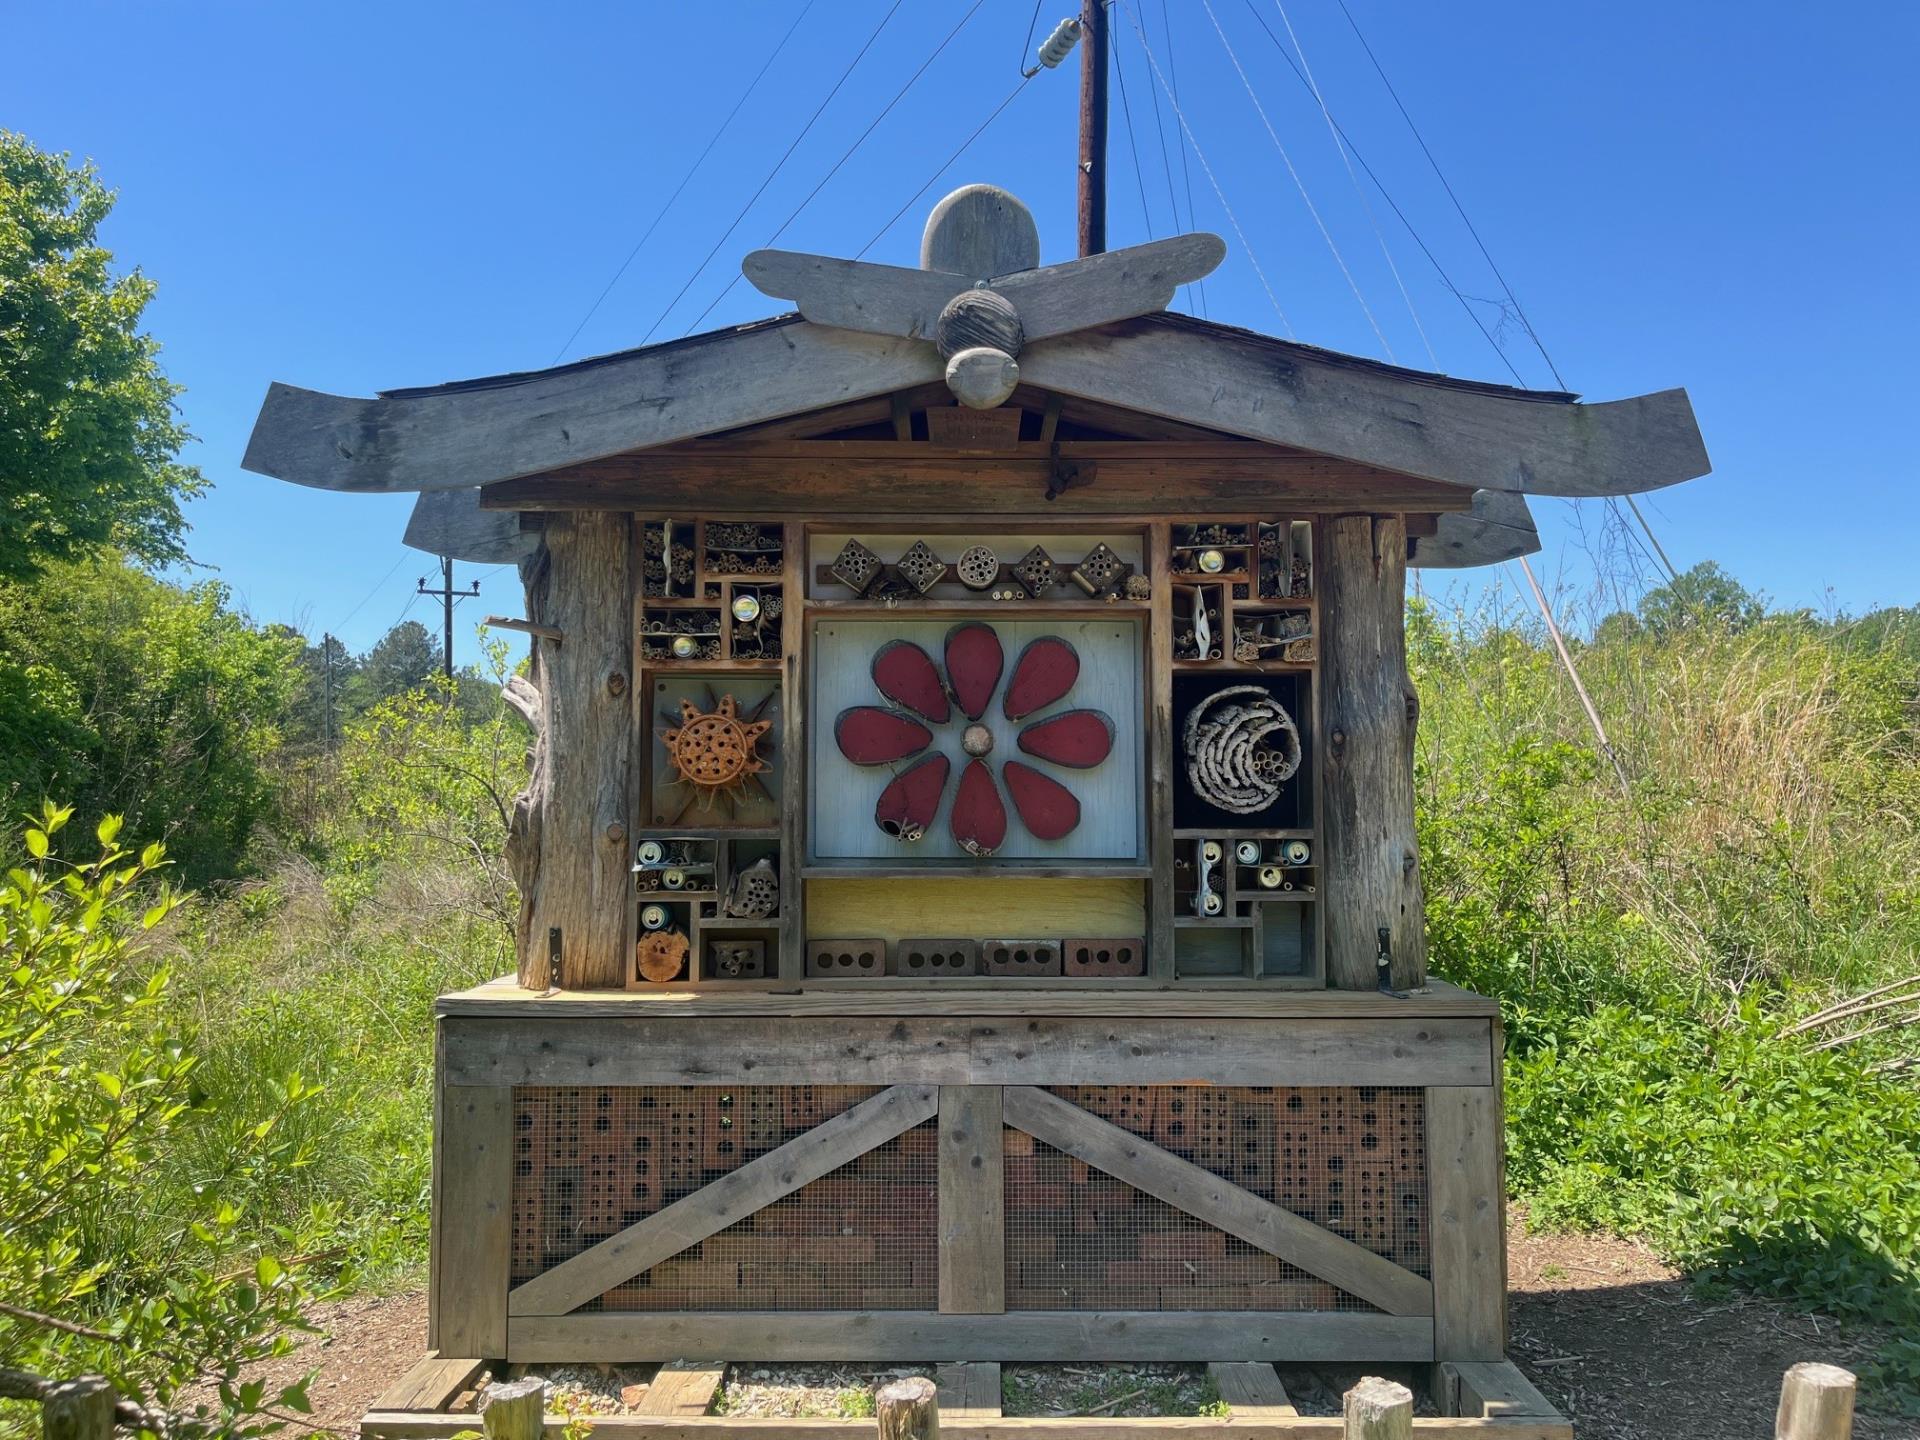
<point x="1704" y="595"/>
<point x="125" y="692"/>
<point x="89" y="433"/>
<point x="403" y="659"/>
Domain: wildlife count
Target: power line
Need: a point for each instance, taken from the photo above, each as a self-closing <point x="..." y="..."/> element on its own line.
<point x="1173" y="69"/>
<point x="779" y="165"/>
<point x="873" y="125"/>
<point x="944" y="166"/>
<point x="1399" y="214"/>
<point x="1359" y="191"/>
<point x="1298" y="183"/>
<point x="1126" y="113"/>
<point x="653" y="224"/>
<point x="1201" y="156"/>
<point x="1460" y="209"/>
<point x="371" y="593"/>
<point x="1166" y="161"/>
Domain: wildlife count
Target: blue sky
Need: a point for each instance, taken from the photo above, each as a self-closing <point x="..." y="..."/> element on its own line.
<point x="354" y="197"/>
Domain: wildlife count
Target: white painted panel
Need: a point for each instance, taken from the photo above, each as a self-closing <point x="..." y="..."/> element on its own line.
<point x="1112" y="822"/>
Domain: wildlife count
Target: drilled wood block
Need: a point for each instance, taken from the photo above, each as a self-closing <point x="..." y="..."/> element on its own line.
<point x="732" y="959"/>
<point x="1095" y="959"/>
<point x="1020" y="957"/>
<point x="854" y="959"/>
<point x="933" y="958"/>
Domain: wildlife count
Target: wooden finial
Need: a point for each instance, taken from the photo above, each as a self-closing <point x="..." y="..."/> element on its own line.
<point x="980" y="231"/>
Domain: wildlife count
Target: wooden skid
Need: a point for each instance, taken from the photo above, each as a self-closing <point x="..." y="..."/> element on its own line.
<point x="1032" y="1335"/>
<point x="403" y="1425"/>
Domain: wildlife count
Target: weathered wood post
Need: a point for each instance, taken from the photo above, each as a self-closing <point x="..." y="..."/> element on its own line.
<point x="1368" y="715"/>
<point x="568" y="842"/>
<point x="1377" y="1409"/>
<point x="515" y="1410"/>
<point x="1816" y="1403"/>
<point x="908" y="1410"/>
<point x="79" y="1409"/>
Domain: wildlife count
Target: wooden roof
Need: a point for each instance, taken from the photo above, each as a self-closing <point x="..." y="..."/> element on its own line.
<point x="1090" y="333"/>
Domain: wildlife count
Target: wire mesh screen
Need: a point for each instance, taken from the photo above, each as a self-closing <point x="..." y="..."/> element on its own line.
<point x="590" y="1161"/>
<point x="1350" y="1159"/>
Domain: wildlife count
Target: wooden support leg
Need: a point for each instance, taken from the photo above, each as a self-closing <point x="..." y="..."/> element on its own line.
<point x="1467" y="1236"/>
<point x="970" y="1390"/>
<point x="972" y="1204"/>
<point x="473" y="1222"/>
<point x="683" y="1387"/>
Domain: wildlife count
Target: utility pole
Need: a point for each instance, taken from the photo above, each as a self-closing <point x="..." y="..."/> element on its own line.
<point x="1093" y="128"/>
<point x="326" y="662"/>
<point x="447" y="595"/>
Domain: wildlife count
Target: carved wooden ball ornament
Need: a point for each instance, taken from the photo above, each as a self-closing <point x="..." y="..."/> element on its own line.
<point x="979" y="317"/>
<point x="982" y="378"/>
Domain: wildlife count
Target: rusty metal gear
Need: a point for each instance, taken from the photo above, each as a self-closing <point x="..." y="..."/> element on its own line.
<point x="715" y="750"/>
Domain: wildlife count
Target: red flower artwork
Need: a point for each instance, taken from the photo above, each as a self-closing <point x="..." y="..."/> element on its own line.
<point x="889" y="735"/>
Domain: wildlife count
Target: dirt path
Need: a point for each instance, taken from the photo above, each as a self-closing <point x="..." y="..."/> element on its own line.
<point x="1613" y="1336"/>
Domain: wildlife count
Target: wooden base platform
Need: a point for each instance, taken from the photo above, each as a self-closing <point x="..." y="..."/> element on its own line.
<point x="435" y="1401"/>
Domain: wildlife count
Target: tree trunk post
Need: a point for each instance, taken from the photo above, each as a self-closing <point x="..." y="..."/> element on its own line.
<point x="567" y="842"/>
<point x="79" y="1409"/>
<point x="516" y="1410"/>
<point x="1377" y="1409"/>
<point x="908" y="1410"/>
<point x="1816" y="1403"/>
<point x="1369" y="712"/>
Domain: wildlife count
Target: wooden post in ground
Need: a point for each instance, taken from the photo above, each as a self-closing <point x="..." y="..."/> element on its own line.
<point x="1368" y="714"/>
<point x="1816" y="1403"/>
<point x="567" y="841"/>
<point x="908" y="1410"/>
<point x="1377" y="1409"/>
<point x="79" y="1409"/>
<point x="516" y="1410"/>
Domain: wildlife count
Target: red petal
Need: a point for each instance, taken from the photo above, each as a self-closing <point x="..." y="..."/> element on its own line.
<point x="1078" y="738"/>
<point x="904" y="673"/>
<point x="907" y="806"/>
<point x="1044" y="672"/>
<point x="974" y="661"/>
<point x="979" y="818"/>
<point x="868" y="735"/>
<point x="1047" y="808"/>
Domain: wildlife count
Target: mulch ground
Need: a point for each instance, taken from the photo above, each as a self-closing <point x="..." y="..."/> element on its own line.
<point x="1615" y="1338"/>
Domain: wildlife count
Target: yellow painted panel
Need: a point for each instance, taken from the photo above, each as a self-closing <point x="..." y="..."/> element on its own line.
<point x="975" y="907"/>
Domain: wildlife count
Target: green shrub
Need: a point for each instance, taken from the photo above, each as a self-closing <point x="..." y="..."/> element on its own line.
<point x="103" y="1268"/>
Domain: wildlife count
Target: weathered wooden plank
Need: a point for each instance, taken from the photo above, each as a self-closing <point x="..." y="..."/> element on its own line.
<point x="431" y="1383"/>
<point x="1251" y="1389"/>
<point x="1228" y="1052"/>
<point x="1479" y="436"/>
<point x="473" y="1190"/>
<point x="683" y="1387"/>
<point x="1034" y="1335"/>
<point x="969" y="1390"/>
<point x="570" y="1048"/>
<point x="1464" y="1223"/>
<point x="1160" y="956"/>
<point x="400" y="1425"/>
<point x="503" y="998"/>
<point x="476" y="432"/>
<point x="1218" y="1202"/>
<point x="855" y="294"/>
<point x="451" y="522"/>
<point x="587" y="1050"/>
<point x="1114" y="285"/>
<point x="833" y="484"/>
<point x="1494" y="1389"/>
<point x="1369" y="710"/>
<point x="972" y="1201"/>
<point x="732" y="1197"/>
<point x="1499" y="527"/>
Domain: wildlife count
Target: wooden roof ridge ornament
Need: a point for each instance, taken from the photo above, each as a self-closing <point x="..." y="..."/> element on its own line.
<point x="981" y="294"/>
